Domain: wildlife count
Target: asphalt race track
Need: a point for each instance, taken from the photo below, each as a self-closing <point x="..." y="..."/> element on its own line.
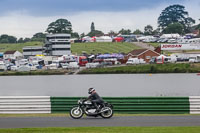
<point x="27" y="122"/>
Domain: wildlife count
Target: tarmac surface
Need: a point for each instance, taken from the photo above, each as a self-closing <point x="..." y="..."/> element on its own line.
<point x="118" y="121"/>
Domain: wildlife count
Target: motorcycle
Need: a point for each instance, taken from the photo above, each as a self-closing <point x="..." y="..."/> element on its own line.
<point x="86" y="107"/>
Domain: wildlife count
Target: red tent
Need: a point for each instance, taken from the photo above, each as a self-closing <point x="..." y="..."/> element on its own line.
<point x="118" y="39"/>
<point x="93" y="39"/>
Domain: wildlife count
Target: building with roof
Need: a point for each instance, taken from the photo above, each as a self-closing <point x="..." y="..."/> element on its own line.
<point x="32" y="51"/>
<point x="57" y="44"/>
<point x="12" y="55"/>
<point x="145" y="54"/>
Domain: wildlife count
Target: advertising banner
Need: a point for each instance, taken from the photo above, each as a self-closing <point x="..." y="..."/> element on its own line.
<point x="189" y="46"/>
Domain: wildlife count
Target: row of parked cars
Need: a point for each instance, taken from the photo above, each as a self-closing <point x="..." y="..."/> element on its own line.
<point x="70" y="65"/>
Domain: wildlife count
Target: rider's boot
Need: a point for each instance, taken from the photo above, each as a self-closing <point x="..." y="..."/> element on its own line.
<point x="97" y="107"/>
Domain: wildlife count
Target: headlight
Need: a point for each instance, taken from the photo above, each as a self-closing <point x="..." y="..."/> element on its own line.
<point x="79" y="101"/>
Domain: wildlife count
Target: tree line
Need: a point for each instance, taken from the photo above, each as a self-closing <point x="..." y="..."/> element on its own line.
<point x="12" y="39"/>
<point x="173" y="19"/>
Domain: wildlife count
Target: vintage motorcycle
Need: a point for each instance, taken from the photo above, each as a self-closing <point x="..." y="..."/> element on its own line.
<point x="86" y="107"/>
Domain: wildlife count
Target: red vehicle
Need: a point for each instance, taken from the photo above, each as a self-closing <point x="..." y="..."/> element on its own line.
<point x="82" y="60"/>
<point x="118" y="39"/>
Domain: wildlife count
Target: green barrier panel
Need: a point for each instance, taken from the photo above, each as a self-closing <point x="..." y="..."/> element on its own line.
<point x="135" y="105"/>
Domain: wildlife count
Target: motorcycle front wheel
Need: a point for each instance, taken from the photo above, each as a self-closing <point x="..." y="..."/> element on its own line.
<point x="108" y="113"/>
<point x="76" y="112"/>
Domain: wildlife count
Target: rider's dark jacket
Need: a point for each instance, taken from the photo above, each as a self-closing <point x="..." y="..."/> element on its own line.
<point x="95" y="98"/>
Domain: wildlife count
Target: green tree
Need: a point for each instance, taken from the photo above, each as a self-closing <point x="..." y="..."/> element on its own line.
<point x="125" y="32"/>
<point x="38" y="37"/>
<point x="95" y="33"/>
<point x="60" y="26"/>
<point x="12" y="39"/>
<point x="20" y="40"/>
<point x="7" y="39"/>
<point x="82" y="35"/>
<point x="92" y="28"/>
<point x="4" y="40"/>
<point x="198" y="28"/>
<point x="74" y="35"/>
<point x="156" y="31"/>
<point x="148" y="30"/>
<point x="137" y="32"/>
<point x="112" y="33"/>
<point x="174" y="28"/>
<point x="27" y="39"/>
<point x="175" y="14"/>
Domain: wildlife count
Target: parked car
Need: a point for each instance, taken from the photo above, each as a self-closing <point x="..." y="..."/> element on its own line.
<point x="152" y="60"/>
<point x="9" y="66"/>
<point x="2" y="66"/>
<point x="142" y="61"/>
<point x="33" y="68"/>
<point x="65" y="65"/>
<point x="13" y="68"/>
<point x="92" y="65"/>
<point x="106" y="63"/>
<point x="24" y="68"/>
<point x="132" y="61"/>
<point x="53" y="66"/>
<point x="172" y="41"/>
<point x="194" y="59"/>
<point x="170" y="59"/>
<point x="135" y="61"/>
<point x="73" y="65"/>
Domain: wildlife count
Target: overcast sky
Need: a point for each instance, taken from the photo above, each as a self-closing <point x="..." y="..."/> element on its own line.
<point x="23" y="18"/>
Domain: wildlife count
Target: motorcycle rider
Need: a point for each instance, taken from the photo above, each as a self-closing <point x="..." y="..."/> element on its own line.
<point x="95" y="98"/>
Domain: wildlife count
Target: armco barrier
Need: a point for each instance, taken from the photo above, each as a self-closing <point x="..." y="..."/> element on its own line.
<point x="194" y="104"/>
<point x="24" y="104"/>
<point x="137" y="105"/>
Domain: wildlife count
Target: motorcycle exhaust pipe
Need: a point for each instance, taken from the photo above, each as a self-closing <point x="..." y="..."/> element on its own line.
<point x="104" y="110"/>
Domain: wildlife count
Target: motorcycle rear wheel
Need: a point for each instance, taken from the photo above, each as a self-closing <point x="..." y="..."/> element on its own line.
<point x="76" y="113"/>
<point x="107" y="114"/>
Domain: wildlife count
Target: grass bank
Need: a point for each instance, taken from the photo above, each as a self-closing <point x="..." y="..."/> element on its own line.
<point x="148" y="68"/>
<point x="102" y="47"/>
<point x="79" y="48"/>
<point x="37" y="72"/>
<point x="105" y="130"/>
<point x="17" y="46"/>
<point x="155" y="44"/>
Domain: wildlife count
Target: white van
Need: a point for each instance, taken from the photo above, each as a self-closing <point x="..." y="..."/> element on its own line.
<point x="194" y="59"/>
<point x="92" y="65"/>
<point x="133" y="61"/>
<point x="23" y="62"/>
<point x="170" y="59"/>
<point x="2" y="66"/>
<point x="52" y="66"/>
<point x="73" y="65"/>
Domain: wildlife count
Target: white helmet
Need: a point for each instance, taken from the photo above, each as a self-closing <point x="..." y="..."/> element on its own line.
<point x="90" y="90"/>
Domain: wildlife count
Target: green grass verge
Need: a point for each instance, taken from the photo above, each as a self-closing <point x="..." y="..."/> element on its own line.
<point x="67" y="115"/>
<point x="148" y="68"/>
<point x="37" y="72"/>
<point x="79" y="48"/>
<point x="105" y="130"/>
<point x="17" y="46"/>
<point x="155" y="44"/>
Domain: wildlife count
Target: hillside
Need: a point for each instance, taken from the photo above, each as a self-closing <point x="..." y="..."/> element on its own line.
<point x="79" y="48"/>
<point x="17" y="46"/>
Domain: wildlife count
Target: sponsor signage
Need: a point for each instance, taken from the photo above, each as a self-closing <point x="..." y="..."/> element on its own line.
<point x="191" y="46"/>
